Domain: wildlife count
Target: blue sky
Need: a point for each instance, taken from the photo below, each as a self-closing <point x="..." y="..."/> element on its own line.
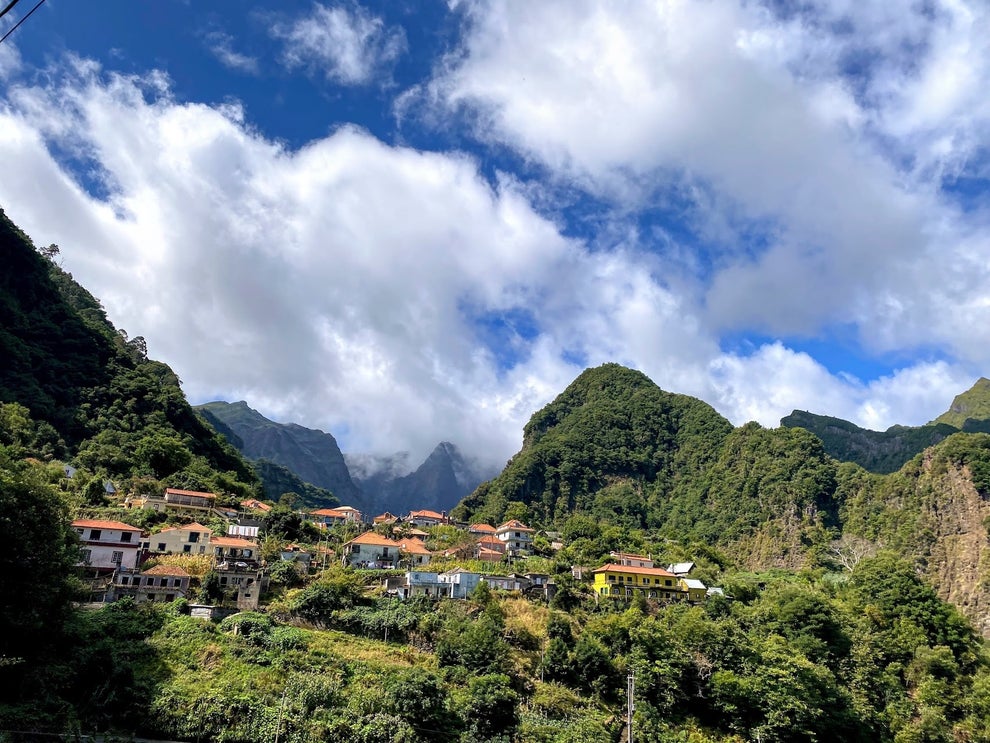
<point x="411" y="221"/>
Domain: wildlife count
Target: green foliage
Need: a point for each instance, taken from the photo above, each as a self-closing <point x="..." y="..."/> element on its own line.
<point x="36" y="560"/>
<point x="492" y="709"/>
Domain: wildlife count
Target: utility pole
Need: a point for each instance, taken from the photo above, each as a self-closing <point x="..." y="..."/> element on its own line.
<point x="278" y="725"/>
<point x="630" y="706"/>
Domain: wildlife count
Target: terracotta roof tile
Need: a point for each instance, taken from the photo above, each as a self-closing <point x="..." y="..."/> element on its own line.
<point x="176" y="491"/>
<point x="97" y="524"/>
<point x="166" y="570"/>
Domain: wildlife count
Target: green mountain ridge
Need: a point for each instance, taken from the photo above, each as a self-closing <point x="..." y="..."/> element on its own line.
<point x="616" y="448"/>
<point x="96" y="397"/>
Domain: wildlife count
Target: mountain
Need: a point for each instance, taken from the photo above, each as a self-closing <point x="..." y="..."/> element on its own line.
<point x="311" y="455"/>
<point x="93" y="394"/>
<point x="970" y="411"/>
<point x="887" y="451"/>
<point x="439" y="483"/>
<point x="612" y="426"/>
<point x="876" y="451"/>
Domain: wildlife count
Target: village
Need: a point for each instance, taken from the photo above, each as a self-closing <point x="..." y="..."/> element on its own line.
<point x="119" y="560"/>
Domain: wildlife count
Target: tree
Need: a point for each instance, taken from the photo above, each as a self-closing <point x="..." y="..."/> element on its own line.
<point x="491" y="711"/>
<point x="40" y="550"/>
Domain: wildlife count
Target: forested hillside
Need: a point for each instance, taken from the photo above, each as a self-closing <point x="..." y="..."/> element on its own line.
<point x="97" y="399"/>
<point x="617" y="448"/>
<point x="829" y="622"/>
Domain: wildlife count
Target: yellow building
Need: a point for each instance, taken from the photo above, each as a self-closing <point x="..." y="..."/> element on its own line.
<point x="622" y="581"/>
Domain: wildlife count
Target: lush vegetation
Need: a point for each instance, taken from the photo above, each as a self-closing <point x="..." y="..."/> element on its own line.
<point x="850" y="642"/>
<point x="876" y="451"/>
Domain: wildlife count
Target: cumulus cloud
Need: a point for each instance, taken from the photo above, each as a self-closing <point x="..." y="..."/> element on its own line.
<point x="826" y="128"/>
<point x="397" y="297"/>
<point x="345" y="43"/>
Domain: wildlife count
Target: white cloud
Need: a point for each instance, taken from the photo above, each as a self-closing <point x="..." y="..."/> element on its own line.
<point x="348" y="285"/>
<point x="222" y="47"/>
<point x="345" y="43"/>
<point x="833" y="125"/>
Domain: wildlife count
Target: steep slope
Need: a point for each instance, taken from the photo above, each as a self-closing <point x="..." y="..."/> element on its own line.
<point x="934" y="511"/>
<point x="610" y="425"/>
<point x="876" y="451"/>
<point x="311" y="455"/>
<point x="109" y="408"/>
<point x="970" y="411"/>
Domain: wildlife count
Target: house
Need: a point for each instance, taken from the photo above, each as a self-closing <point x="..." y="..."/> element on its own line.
<point x="631" y="560"/>
<point x="385" y="518"/>
<point x="460" y="582"/>
<point x="243" y="583"/>
<point x="481" y="529"/>
<point x="516" y="536"/>
<point x="427" y="518"/>
<point x="696" y="590"/>
<point x="456" y="584"/>
<point x="621" y="581"/>
<point x="541" y="586"/>
<point x="191" y="539"/>
<point x="326" y="517"/>
<point x="414" y="552"/>
<point x="681" y="568"/>
<point x="253" y="504"/>
<point x="160" y="583"/>
<point x="107" y="545"/>
<point x="371" y="550"/>
<point x="487" y="545"/>
<point x="511" y="582"/>
<point x="189" y="502"/>
<point x="416" y="583"/>
<point x="234" y="548"/>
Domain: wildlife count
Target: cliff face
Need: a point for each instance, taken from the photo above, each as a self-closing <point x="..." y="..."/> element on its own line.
<point x="959" y="560"/>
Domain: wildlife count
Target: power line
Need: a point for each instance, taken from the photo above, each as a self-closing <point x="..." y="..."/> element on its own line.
<point x="10" y="5"/>
<point x="30" y="12"/>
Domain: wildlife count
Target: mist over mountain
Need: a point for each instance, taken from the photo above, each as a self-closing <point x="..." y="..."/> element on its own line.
<point x="311" y="455"/>
<point x="370" y="482"/>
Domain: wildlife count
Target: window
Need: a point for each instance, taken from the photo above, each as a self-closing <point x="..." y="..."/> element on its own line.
<point x="85" y="555"/>
<point x="125" y="536"/>
<point x="170" y="597"/>
<point x="223" y="581"/>
<point x="202" y="548"/>
<point x="187" y="548"/>
<point x="177" y="582"/>
<point x="355" y="548"/>
<point x="94" y="533"/>
<point x="667" y="583"/>
<point x="118" y="557"/>
<point x="124" y="580"/>
<point x="194" y="536"/>
<point x="161" y="546"/>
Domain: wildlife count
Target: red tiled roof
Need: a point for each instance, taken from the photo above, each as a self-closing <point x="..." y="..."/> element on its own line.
<point x="339" y="513"/>
<point x="426" y="514"/>
<point x="482" y="528"/>
<point x="371" y="537"/>
<point x="166" y="570"/>
<point x="612" y="568"/>
<point x="414" y="547"/>
<point x="514" y="525"/>
<point x="256" y="504"/>
<point x="233" y="542"/>
<point x="492" y="542"/>
<point x="176" y="491"/>
<point x="96" y="524"/>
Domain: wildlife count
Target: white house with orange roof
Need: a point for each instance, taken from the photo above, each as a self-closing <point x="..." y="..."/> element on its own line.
<point x="253" y="504"/>
<point x="481" y="529"/>
<point x="426" y="517"/>
<point x="325" y="517"/>
<point x="190" y="539"/>
<point x="372" y="550"/>
<point x="107" y="545"/>
<point x="233" y="548"/>
<point x="515" y="535"/>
